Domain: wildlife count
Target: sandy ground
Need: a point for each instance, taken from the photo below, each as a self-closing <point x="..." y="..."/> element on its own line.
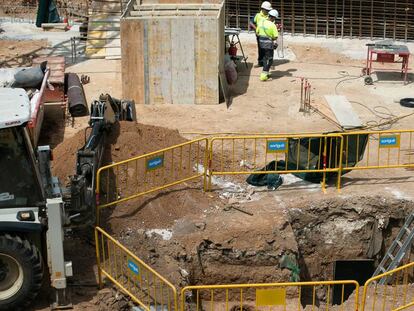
<point x="15" y="53"/>
<point x="273" y="107"/>
<point x="332" y="66"/>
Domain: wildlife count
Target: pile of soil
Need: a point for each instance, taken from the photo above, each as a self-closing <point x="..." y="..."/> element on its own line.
<point x="125" y="140"/>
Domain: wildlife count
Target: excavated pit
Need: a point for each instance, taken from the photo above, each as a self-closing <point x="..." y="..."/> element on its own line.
<point x="222" y="246"/>
<point x="219" y="246"/>
<point x="345" y="229"/>
<point x="192" y="237"/>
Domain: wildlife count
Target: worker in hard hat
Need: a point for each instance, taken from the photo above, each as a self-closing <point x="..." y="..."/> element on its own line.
<point x="262" y="15"/>
<point x="267" y="34"/>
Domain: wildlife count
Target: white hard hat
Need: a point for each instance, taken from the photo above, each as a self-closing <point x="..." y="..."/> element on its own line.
<point x="266" y="6"/>
<point x="274" y="13"/>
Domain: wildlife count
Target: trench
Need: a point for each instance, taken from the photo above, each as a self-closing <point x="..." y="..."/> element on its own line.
<point x="336" y="238"/>
<point x="313" y="240"/>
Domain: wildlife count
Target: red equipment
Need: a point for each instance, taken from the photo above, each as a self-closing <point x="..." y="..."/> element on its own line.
<point x="232" y="49"/>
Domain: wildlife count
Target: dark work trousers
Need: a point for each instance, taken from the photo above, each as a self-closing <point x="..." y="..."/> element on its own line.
<point x="260" y="52"/>
<point x="266" y="45"/>
<point x="267" y="59"/>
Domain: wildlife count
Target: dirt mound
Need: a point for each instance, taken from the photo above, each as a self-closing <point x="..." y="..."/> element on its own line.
<point x="128" y="140"/>
<point x="124" y="141"/>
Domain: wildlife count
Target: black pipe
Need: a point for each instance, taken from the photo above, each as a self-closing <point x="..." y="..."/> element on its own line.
<point x="76" y="96"/>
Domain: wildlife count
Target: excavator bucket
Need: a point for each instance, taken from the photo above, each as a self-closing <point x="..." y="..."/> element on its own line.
<point x="124" y="110"/>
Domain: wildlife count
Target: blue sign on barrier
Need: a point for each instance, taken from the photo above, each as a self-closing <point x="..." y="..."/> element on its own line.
<point x="277" y="146"/>
<point x="389" y="141"/>
<point x="133" y="267"/>
<point x="155" y="162"/>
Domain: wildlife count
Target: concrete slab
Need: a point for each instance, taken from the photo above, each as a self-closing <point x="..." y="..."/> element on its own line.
<point x="343" y="111"/>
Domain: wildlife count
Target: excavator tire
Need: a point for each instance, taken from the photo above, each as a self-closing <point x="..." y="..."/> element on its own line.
<point x="21" y="272"/>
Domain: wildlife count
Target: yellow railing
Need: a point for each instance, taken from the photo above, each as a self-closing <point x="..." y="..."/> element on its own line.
<point x="318" y="154"/>
<point x="304" y="153"/>
<point x="396" y="294"/>
<point x="276" y="296"/>
<point x="151" y="291"/>
<point x="129" y="179"/>
<point x="139" y="281"/>
<point x="383" y="149"/>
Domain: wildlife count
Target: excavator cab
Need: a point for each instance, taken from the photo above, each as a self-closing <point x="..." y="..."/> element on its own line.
<point x="19" y="177"/>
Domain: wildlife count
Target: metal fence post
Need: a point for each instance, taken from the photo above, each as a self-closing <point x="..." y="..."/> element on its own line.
<point x="98" y="258"/>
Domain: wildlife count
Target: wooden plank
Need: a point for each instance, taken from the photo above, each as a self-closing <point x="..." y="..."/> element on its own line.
<point x="56" y="65"/>
<point x="206" y="61"/>
<point x="104" y="18"/>
<point x="103" y="28"/>
<point x="108" y="43"/>
<point x="52" y="61"/>
<point x="106" y="7"/>
<point x="103" y="35"/>
<point x="159" y="61"/>
<point x="343" y="111"/>
<point x="132" y="61"/>
<point x="54" y="25"/>
<point x="104" y="23"/>
<point x="95" y="52"/>
<point x="182" y="50"/>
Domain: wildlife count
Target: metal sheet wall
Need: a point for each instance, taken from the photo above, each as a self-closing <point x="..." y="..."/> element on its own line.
<point x="392" y="19"/>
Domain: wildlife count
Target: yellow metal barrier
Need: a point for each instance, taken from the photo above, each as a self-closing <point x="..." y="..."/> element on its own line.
<point x="378" y="149"/>
<point x="144" y="285"/>
<point x="305" y="153"/>
<point x="126" y="180"/>
<point x="151" y="291"/>
<point x="397" y="294"/>
<point x="276" y="296"/>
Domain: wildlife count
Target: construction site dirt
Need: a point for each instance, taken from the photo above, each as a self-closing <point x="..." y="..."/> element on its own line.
<point x="193" y="237"/>
<point x="15" y="53"/>
<point x="196" y="237"/>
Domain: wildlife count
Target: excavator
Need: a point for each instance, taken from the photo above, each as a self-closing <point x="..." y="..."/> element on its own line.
<point x="35" y="210"/>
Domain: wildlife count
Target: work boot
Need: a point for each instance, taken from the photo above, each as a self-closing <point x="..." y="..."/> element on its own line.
<point x="264" y="76"/>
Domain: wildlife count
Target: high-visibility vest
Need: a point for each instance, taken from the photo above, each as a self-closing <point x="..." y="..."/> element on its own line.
<point x="259" y="17"/>
<point x="267" y="29"/>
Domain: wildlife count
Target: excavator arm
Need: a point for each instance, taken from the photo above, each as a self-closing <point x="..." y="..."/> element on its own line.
<point x="105" y="112"/>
